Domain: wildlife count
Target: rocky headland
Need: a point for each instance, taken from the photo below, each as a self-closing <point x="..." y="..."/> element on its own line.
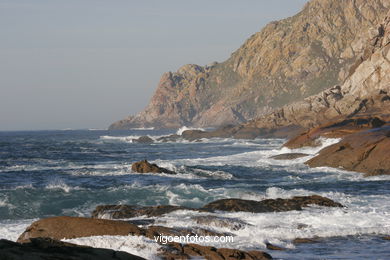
<point x="287" y="61"/>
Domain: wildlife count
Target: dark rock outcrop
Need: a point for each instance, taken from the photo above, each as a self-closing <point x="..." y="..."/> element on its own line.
<point x="146" y="167"/>
<point x="288" y="156"/>
<point x="129" y="211"/>
<point x="49" y="249"/>
<point x="143" y="140"/>
<point x="231" y="205"/>
<point x="366" y="151"/>
<point x="286" y="61"/>
<point x="270" y="205"/>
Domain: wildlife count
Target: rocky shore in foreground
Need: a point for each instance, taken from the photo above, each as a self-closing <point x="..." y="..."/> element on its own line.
<point x="43" y="237"/>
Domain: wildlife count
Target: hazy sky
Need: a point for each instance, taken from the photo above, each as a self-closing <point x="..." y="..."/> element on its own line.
<point x="87" y="63"/>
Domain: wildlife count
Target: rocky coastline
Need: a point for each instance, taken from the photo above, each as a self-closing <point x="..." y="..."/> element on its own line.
<point x="43" y="238"/>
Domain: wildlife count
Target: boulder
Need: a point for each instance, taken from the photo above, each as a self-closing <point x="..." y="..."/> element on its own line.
<point x="288" y="156"/>
<point x="337" y="128"/>
<point x="143" y="140"/>
<point x="145" y="167"/>
<point x="270" y="205"/>
<point x="366" y="152"/>
<point x="47" y="248"/>
<point x="72" y="227"/>
<point x="273" y="247"/>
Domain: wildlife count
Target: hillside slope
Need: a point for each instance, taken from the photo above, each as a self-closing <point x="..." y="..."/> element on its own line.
<point x="286" y="61"/>
<point x="365" y="91"/>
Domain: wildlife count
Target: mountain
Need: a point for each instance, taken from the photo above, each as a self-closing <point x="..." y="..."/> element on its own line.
<point x="366" y="90"/>
<point x="286" y="61"/>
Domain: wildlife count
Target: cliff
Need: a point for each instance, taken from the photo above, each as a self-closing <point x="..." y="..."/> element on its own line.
<point x="366" y="91"/>
<point x="285" y="62"/>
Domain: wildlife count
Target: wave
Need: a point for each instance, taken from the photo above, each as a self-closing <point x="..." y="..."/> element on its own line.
<point x="185" y="128"/>
<point x="366" y="215"/>
<point x="11" y="229"/>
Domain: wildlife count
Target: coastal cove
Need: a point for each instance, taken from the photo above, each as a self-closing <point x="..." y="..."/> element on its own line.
<point x="55" y="173"/>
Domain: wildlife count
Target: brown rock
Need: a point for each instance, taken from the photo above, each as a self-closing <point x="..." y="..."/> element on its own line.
<point x="146" y="167"/>
<point x="335" y="129"/>
<point x="386" y="238"/>
<point x="46" y="248"/>
<point x="273" y="247"/>
<point x="366" y="152"/>
<point x="270" y="205"/>
<point x="304" y="240"/>
<point x="72" y="227"/>
<point x="288" y="156"/>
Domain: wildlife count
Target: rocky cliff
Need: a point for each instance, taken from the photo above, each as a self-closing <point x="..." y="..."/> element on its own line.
<point x="286" y="61"/>
<point x="365" y="91"/>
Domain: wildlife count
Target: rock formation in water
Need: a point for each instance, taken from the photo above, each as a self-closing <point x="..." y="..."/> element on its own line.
<point x="286" y="61"/>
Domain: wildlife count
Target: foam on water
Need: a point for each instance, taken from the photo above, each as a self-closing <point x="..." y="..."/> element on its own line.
<point x="136" y="245"/>
<point x="12" y="229"/>
<point x="362" y="215"/>
<point x="185" y="128"/>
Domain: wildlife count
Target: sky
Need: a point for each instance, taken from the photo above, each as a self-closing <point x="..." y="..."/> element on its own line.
<point x="79" y="64"/>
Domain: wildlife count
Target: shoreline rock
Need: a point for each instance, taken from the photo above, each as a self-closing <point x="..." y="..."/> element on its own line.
<point x="288" y="156"/>
<point x="145" y="167"/>
<point x="47" y="248"/>
<point x="229" y="205"/>
<point x="57" y="228"/>
<point x="367" y="152"/>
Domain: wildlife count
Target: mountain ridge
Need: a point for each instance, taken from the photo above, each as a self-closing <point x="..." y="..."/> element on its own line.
<point x="287" y="61"/>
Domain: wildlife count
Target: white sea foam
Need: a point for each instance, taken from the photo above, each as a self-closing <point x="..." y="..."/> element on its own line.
<point x="11" y="229"/>
<point x="362" y="215"/>
<point x="59" y="184"/>
<point x="126" y="139"/>
<point x="185" y="128"/>
<point x="136" y="245"/>
<point x="143" y="128"/>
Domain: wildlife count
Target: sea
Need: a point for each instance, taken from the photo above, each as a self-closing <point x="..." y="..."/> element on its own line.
<point x="70" y="172"/>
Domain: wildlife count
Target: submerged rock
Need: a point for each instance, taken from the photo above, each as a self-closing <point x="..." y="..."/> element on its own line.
<point x="146" y="167"/>
<point x="273" y="247"/>
<point x="47" y="248"/>
<point x="231" y="223"/>
<point x="270" y="205"/>
<point x="366" y="152"/>
<point x="143" y="140"/>
<point x="288" y="156"/>
<point x="130" y="211"/>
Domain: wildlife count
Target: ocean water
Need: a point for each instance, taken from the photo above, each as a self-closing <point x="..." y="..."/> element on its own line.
<point x="51" y="173"/>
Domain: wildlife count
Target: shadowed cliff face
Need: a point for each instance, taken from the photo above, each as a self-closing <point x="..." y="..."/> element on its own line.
<point x="287" y="61"/>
